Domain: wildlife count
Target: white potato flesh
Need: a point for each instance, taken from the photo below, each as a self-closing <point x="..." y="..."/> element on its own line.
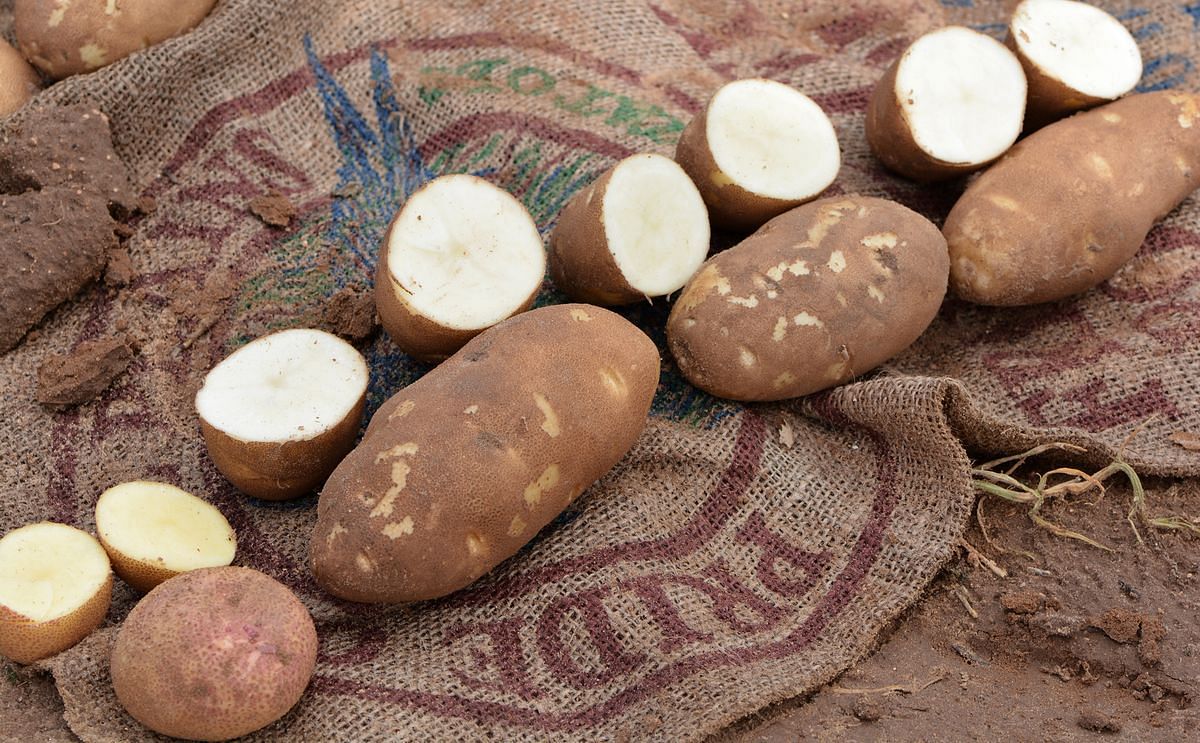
<point x="464" y="253"/>
<point x="656" y="224"/>
<point x="962" y="94"/>
<point x="158" y="523"/>
<point x="772" y="140"/>
<point x="292" y="385"/>
<point x="1079" y="45"/>
<point x="49" y="570"/>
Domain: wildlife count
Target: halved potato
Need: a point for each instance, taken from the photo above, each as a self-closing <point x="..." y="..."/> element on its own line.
<point x="461" y="256"/>
<point x="279" y="413"/>
<point x="758" y="149"/>
<point x="1075" y="56"/>
<point x="641" y="230"/>
<point x="55" y="587"/>
<point x="952" y="103"/>
<point x="153" y="531"/>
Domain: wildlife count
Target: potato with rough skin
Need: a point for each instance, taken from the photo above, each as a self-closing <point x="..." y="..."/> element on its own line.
<point x="460" y="469"/>
<point x="214" y="654"/>
<point x="757" y="149"/>
<point x="55" y="588"/>
<point x="1071" y="203"/>
<point x="18" y="81"/>
<point x="63" y="38"/>
<point x="817" y="296"/>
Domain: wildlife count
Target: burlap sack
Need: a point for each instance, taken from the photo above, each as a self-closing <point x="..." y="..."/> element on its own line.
<point x="737" y="556"/>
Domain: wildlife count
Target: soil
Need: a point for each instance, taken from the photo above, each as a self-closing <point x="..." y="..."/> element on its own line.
<point x="80" y="376"/>
<point x="351" y="314"/>
<point x="1075" y="644"/>
<point x="274" y="209"/>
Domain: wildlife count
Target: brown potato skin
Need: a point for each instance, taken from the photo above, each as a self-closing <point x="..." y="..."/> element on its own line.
<point x="581" y="265"/>
<point x="25" y="641"/>
<point x="464" y="466"/>
<point x="141" y="575"/>
<point x="136" y="24"/>
<point x="214" y="654"/>
<point x="729" y="205"/>
<point x="1048" y="99"/>
<point x="417" y="335"/>
<point x="891" y="139"/>
<point x="18" y="81"/>
<point x="274" y="471"/>
<point x="733" y="339"/>
<point x="1071" y="203"/>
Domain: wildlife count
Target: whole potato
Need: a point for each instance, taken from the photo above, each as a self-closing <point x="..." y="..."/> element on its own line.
<point x="460" y="469"/>
<point x="1070" y="204"/>
<point x="820" y="294"/>
<point x="18" y="81"/>
<point x="213" y="654"/>
<point x="63" y="38"/>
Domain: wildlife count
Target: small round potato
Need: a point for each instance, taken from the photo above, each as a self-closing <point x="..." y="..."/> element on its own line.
<point x="279" y="413"/>
<point x="819" y="295"/>
<point x="214" y="654"/>
<point x="63" y="38"/>
<point x="18" y="81"/>
<point x="55" y="587"/>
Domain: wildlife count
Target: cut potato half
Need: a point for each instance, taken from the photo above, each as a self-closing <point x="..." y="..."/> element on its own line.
<point x="641" y="230"/>
<point x="55" y="587"/>
<point x="153" y="531"/>
<point x="757" y="149"/>
<point x="461" y="256"/>
<point x="279" y="413"/>
<point x="952" y="103"/>
<point x="1075" y="56"/>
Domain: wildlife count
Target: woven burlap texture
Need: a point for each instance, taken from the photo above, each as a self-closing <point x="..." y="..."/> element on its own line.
<point x="738" y="555"/>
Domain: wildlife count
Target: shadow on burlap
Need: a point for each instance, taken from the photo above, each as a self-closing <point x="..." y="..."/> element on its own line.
<point x="737" y="556"/>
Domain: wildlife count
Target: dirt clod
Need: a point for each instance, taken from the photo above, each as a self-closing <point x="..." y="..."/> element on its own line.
<point x="1121" y="625"/>
<point x="274" y="209"/>
<point x="80" y="376"/>
<point x="1023" y="602"/>
<point x="119" y="271"/>
<point x="868" y="709"/>
<point x="351" y="314"/>
<point x="1096" y="721"/>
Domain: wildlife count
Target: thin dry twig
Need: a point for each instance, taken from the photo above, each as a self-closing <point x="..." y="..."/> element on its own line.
<point x="981" y="559"/>
<point x="965" y="598"/>
<point x="914" y="688"/>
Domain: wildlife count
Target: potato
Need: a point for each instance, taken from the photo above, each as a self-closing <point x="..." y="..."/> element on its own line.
<point x="1075" y="56"/>
<point x="153" y="531"/>
<point x="18" y="81"/>
<point x="55" y="587"/>
<point x="1073" y="202"/>
<point x="63" y="38"/>
<point x="460" y="469"/>
<point x="459" y="257"/>
<point x="639" y="231"/>
<point x="214" y="654"/>
<point x="757" y="149"/>
<point x="952" y="103"/>
<point x="279" y="413"/>
<point x="819" y="295"/>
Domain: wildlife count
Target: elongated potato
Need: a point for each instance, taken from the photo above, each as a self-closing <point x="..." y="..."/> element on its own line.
<point x="1073" y="202"/>
<point x="460" y="469"/>
<point x="817" y="296"/>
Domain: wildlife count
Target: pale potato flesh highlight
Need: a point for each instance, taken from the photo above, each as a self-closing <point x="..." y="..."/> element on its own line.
<point x="288" y="386"/>
<point x="962" y="94"/>
<point x="656" y="224"/>
<point x="1078" y="44"/>
<point x="158" y="523"/>
<point x="772" y="140"/>
<point x="464" y="253"/>
<point x="49" y="570"/>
